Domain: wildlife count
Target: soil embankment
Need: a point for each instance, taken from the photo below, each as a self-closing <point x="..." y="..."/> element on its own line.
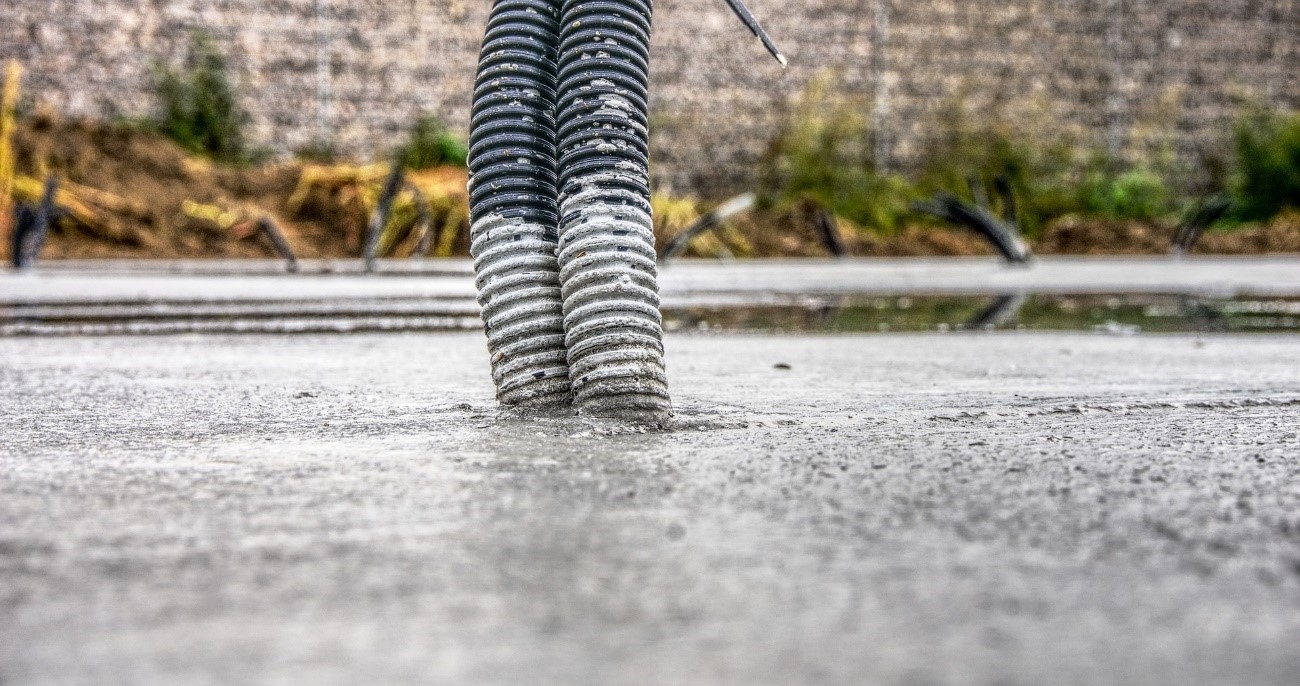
<point x="144" y="197"/>
<point x="141" y="196"/>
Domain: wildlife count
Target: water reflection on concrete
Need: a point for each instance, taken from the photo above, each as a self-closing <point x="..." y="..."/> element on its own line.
<point x="1123" y="313"/>
<point x="1109" y="295"/>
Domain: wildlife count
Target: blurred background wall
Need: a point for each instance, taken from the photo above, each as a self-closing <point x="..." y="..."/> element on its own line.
<point x="1124" y="74"/>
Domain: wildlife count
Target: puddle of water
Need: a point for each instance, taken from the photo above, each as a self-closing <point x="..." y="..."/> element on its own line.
<point x="1119" y="314"/>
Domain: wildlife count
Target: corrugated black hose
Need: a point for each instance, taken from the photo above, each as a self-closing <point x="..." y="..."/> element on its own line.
<point x="560" y="205"/>
<point x="513" y="213"/>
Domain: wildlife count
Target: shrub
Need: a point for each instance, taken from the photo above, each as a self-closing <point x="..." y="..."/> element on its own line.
<point x="1041" y="165"/>
<point x="825" y="154"/>
<point x="317" y="151"/>
<point x="198" y="104"/>
<point x="1135" y="194"/>
<point x="431" y="144"/>
<point x="1052" y="174"/>
<point x="1267" y="165"/>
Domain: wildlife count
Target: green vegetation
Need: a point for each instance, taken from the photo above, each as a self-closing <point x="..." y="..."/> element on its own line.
<point x="317" y="151"/>
<point x="1051" y="173"/>
<point x="1134" y="194"/>
<point x="825" y="154"/>
<point x="431" y="144"/>
<point x="961" y="153"/>
<point x="198" y="107"/>
<point x="1267" y="166"/>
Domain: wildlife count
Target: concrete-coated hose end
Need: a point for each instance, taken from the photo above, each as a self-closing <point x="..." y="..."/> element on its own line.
<point x="519" y="297"/>
<point x="612" y="323"/>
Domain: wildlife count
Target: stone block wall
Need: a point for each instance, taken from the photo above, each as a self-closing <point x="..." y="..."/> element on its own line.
<point x="358" y="72"/>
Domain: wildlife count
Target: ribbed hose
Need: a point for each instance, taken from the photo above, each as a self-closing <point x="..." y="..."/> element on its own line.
<point x="612" y="325"/>
<point x="513" y="211"/>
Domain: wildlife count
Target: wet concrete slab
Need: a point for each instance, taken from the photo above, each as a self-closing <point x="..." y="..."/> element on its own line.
<point x="839" y="509"/>
<point x="682" y="280"/>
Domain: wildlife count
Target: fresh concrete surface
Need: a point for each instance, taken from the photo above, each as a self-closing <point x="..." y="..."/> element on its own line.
<point x="927" y="509"/>
<point x="695" y="281"/>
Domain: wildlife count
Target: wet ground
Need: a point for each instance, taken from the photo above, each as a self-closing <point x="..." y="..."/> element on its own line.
<point x="1012" y="507"/>
<point x="1085" y="294"/>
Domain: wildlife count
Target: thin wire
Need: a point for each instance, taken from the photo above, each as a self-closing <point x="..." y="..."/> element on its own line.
<point x="741" y="11"/>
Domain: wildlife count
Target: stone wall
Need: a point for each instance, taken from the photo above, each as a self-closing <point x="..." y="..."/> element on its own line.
<point x="358" y="72"/>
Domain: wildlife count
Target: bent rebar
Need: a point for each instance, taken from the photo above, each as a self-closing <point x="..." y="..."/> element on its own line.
<point x="1003" y="237"/>
<point x="1010" y="210"/>
<point x="271" y="231"/>
<point x="423" y="221"/>
<point x="32" y="225"/>
<point x="379" y="218"/>
<point x="1003" y="310"/>
<point x="677" y="245"/>
<point x="24" y="217"/>
<point x="828" y="227"/>
<point x="752" y="24"/>
<point x="1190" y="231"/>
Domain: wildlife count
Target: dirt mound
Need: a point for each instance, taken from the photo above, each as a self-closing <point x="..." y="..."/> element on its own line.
<point x="1086" y="236"/>
<point x="143" y="191"/>
<point x="147" y="198"/>
<point x="1281" y="235"/>
<point x="154" y="178"/>
<point x="792" y="232"/>
<point x="1079" y="236"/>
